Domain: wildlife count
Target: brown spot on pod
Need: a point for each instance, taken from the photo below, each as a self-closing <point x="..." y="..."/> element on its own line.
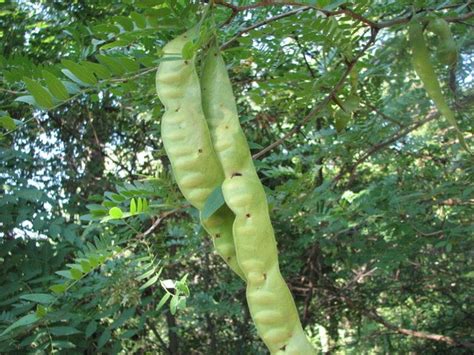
<point x="283" y="348"/>
<point x="177" y="109"/>
<point x="264" y="276"/>
<point x="235" y="174"/>
<point x="199" y="150"/>
<point x="218" y="235"/>
<point x="186" y="62"/>
<point x="248" y="215"/>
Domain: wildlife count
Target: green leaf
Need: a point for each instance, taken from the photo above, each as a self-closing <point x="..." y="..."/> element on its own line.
<point x="42" y="97"/>
<point x="163" y="300"/>
<point x="115" y="67"/>
<point x="146" y="274"/>
<point x="133" y="206"/>
<point x="94" y="260"/>
<point x="150" y="282"/>
<point x="116" y="213"/>
<point x="63" y="331"/>
<point x="27" y="99"/>
<point x="114" y="44"/>
<point x="188" y="50"/>
<point x="71" y="87"/>
<point x="125" y="22"/>
<point x="99" y="70"/>
<point x="22" y="322"/>
<point x="86" y="266"/>
<point x="80" y="71"/>
<point x="74" y="78"/>
<point x="7" y="122"/>
<point x="139" y="19"/>
<point x="148" y="3"/>
<point x="213" y="203"/>
<point x="181" y="303"/>
<point x="90" y="329"/>
<point x="41" y="311"/>
<point x="59" y="288"/>
<point x="174" y="304"/>
<point x="104" y="338"/>
<point x="76" y="274"/>
<point x="55" y="86"/>
<point x="128" y="63"/>
<point x="182" y="287"/>
<point x="44" y="298"/>
<point x="65" y="273"/>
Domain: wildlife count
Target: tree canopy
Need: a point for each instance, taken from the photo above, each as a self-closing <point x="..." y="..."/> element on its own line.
<point x="369" y="184"/>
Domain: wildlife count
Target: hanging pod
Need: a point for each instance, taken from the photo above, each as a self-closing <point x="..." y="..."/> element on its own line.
<point x="447" y="50"/>
<point x="270" y="302"/>
<point x="425" y="71"/>
<point x="188" y="144"/>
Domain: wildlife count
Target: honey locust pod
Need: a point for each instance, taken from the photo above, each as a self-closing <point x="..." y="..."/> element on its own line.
<point x="188" y="144"/>
<point x="270" y="302"/>
<point x="447" y="51"/>
<point x="425" y="71"/>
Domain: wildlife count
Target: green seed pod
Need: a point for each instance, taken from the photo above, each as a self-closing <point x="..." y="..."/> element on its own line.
<point x="447" y="49"/>
<point x="271" y="304"/>
<point x="188" y="144"/>
<point x="425" y="70"/>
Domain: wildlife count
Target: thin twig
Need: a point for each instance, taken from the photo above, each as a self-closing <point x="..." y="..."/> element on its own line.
<point x="431" y="116"/>
<point x="13" y="92"/>
<point x="342" y="10"/>
<point x="384" y="115"/>
<point x="324" y="102"/>
<point x="262" y="23"/>
<point x="158" y="221"/>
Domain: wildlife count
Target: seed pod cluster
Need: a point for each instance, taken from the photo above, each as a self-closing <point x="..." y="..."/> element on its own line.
<point x="270" y="302"/>
<point x="207" y="148"/>
<point x="188" y="143"/>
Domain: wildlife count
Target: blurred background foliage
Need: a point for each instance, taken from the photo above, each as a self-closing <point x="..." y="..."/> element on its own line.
<point x="371" y="199"/>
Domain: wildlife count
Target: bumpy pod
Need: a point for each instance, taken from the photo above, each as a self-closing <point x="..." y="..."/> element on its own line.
<point x="270" y="301"/>
<point x="447" y="48"/>
<point x="188" y="144"/>
<point x="425" y="70"/>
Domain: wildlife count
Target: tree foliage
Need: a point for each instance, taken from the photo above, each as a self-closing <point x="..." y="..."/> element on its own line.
<point x="370" y="190"/>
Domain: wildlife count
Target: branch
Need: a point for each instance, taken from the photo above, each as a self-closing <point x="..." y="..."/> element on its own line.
<point x="384" y="115"/>
<point x="323" y="103"/>
<point x="372" y="314"/>
<point x="158" y="337"/>
<point x="431" y="116"/>
<point x="303" y="51"/>
<point x="159" y="220"/>
<point x="343" y="10"/>
<point x="13" y="92"/>
<point x="262" y="23"/>
<point x="402" y="20"/>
